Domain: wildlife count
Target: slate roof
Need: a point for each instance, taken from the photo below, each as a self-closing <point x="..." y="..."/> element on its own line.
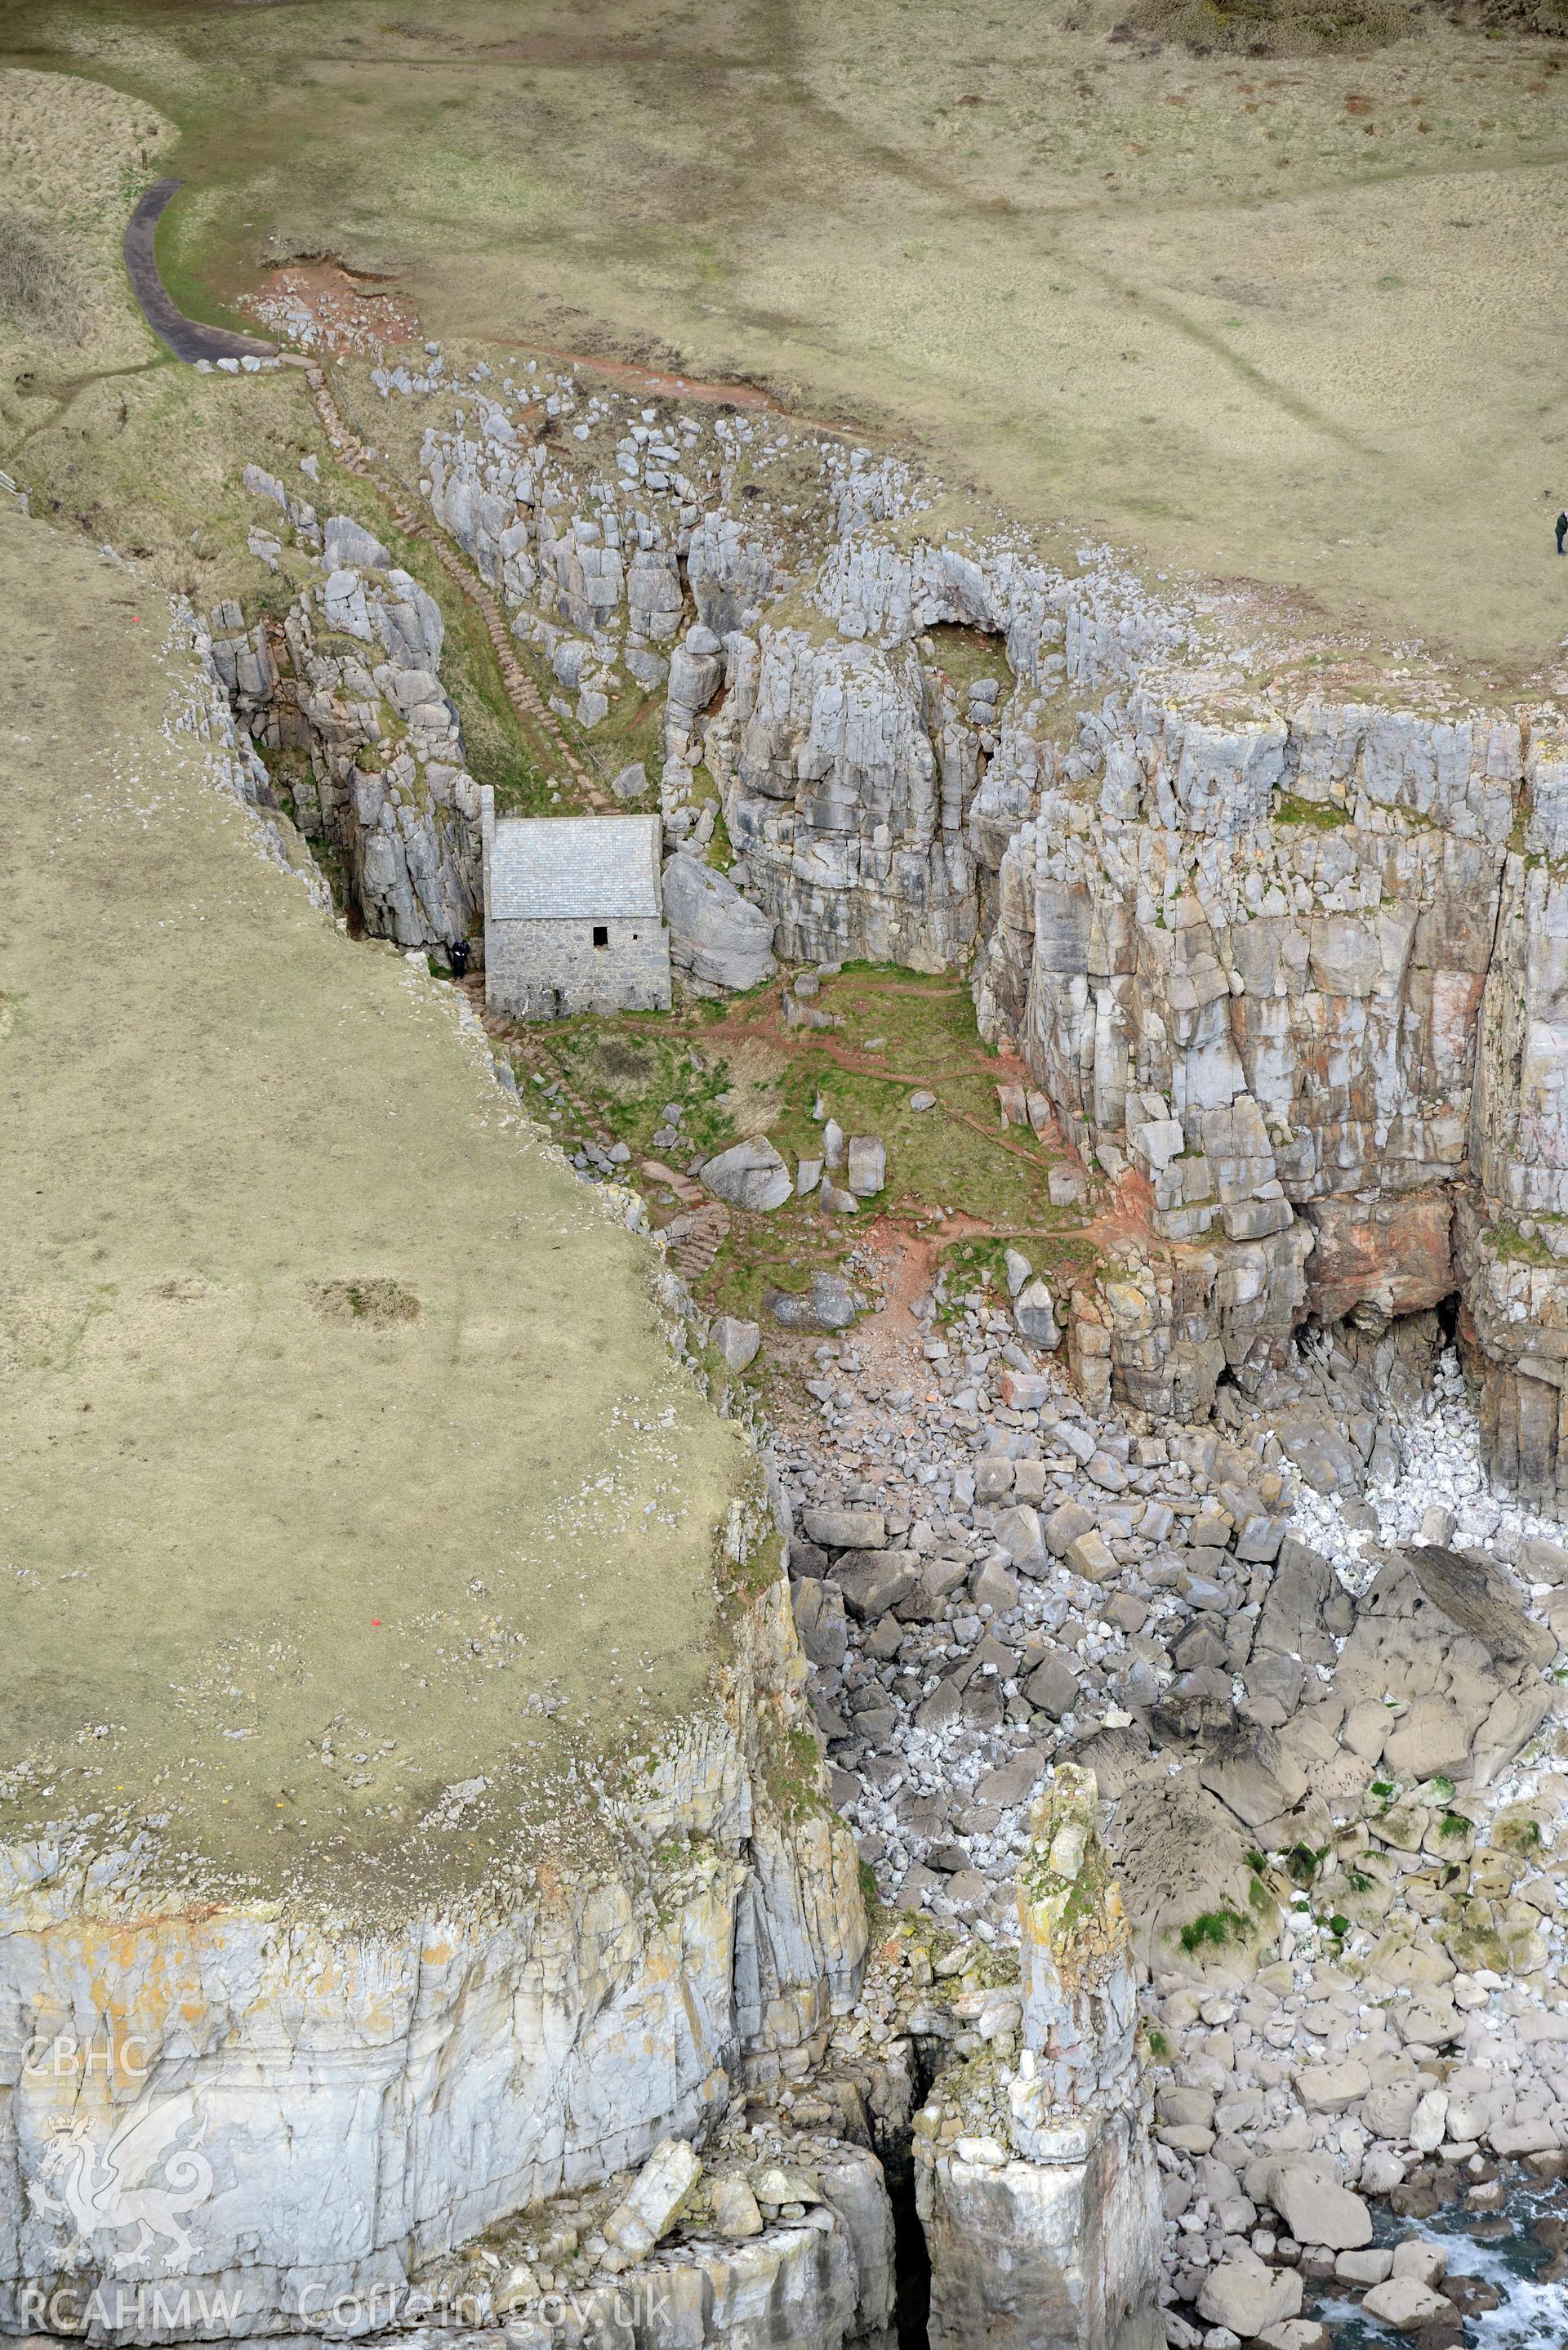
<point x="561" y="868"/>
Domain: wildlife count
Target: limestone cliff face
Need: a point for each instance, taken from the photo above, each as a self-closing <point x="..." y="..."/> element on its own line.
<point x="1041" y="2217"/>
<point x="1290" y="972"/>
<point x="1276" y="930"/>
<point x="1241" y="938"/>
<point x="849" y="816"/>
<point x="1286" y="962"/>
<point x="850" y="762"/>
<point x="342" y="2106"/>
<point x="350" y="678"/>
<point x="1512" y="1239"/>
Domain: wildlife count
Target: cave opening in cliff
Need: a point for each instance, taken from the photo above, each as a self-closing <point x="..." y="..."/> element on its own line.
<point x="911" y="2255"/>
<point x="970" y="659"/>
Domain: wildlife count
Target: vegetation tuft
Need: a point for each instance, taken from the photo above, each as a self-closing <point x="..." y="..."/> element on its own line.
<point x="1212" y="1929"/>
<point x="40" y="289"/>
<point x="380" y="1303"/>
<point x="1273" y="28"/>
<point x="1322" y="816"/>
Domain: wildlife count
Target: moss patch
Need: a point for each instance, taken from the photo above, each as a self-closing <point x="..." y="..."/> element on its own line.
<point x="1214" y="1929"/>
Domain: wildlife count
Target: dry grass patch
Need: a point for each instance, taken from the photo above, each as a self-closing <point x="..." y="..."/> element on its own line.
<point x="40" y="290"/>
<point x="78" y="156"/>
<point x="250" y="1492"/>
<point x="1274" y="29"/>
<point x="376" y="1301"/>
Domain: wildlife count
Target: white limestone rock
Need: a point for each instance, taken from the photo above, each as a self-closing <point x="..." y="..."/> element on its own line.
<point x="716" y="936"/>
<point x="1405" y="2303"/>
<point x="658" y="2198"/>
<point x="749" y="1175"/>
<point x="736" y="2214"/>
<point x="866" y="1165"/>
<point x="736" y="1340"/>
<point x="1317" y="2210"/>
<point x="1248" y="2296"/>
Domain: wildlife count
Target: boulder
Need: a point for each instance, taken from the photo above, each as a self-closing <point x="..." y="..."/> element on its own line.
<point x="828" y="1304"/>
<point x="874" y="1581"/>
<point x="1430" y="2021"/>
<point x="1036" y="1316"/>
<point x="1514" y="1719"/>
<point x="1090" y="1556"/>
<point x="717" y="936"/>
<point x="1018" y="1531"/>
<point x="1515" y="2139"/>
<point x="1014" y="1780"/>
<point x="749" y="1175"/>
<point x="994" y="1587"/>
<point x="1479" y="1597"/>
<point x="1246" y="2296"/>
<point x="656" y="2199"/>
<point x="631" y="783"/>
<point x="1331" y="2088"/>
<point x="848" y="1529"/>
<point x="1066" y="1521"/>
<point x="1404" y="2302"/>
<point x="819" y="1620"/>
<point x="866" y="1166"/>
<point x="1544" y="1560"/>
<point x="1317" y="2210"/>
<point x="735" y="2209"/>
<point x="1381" y="2170"/>
<point x="993" y="1475"/>
<point x="1053" y="1686"/>
<point x="1429" y="2122"/>
<point x="1326" y="1458"/>
<point x="737" y="1341"/>
<point x="347" y="545"/>
<point x="1370" y="2265"/>
<point x="777" y="2185"/>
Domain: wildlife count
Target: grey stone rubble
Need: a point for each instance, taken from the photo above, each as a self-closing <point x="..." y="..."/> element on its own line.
<point x="990" y="1579"/>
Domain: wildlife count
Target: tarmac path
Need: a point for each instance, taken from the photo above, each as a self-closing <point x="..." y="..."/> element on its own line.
<point x="186" y="337"/>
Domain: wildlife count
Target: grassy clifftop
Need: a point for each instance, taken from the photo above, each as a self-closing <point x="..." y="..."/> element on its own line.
<point x="1283" y="318"/>
<point x="349" y="1487"/>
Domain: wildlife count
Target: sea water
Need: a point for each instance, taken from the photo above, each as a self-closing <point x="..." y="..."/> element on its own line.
<point x="1530" y="2315"/>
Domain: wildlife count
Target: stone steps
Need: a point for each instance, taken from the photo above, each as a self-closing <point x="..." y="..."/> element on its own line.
<point x="526" y="700"/>
<point x="702" y="1233"/>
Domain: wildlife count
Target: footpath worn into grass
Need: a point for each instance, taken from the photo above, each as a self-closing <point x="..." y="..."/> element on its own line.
<point x="345" y="1462"/>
